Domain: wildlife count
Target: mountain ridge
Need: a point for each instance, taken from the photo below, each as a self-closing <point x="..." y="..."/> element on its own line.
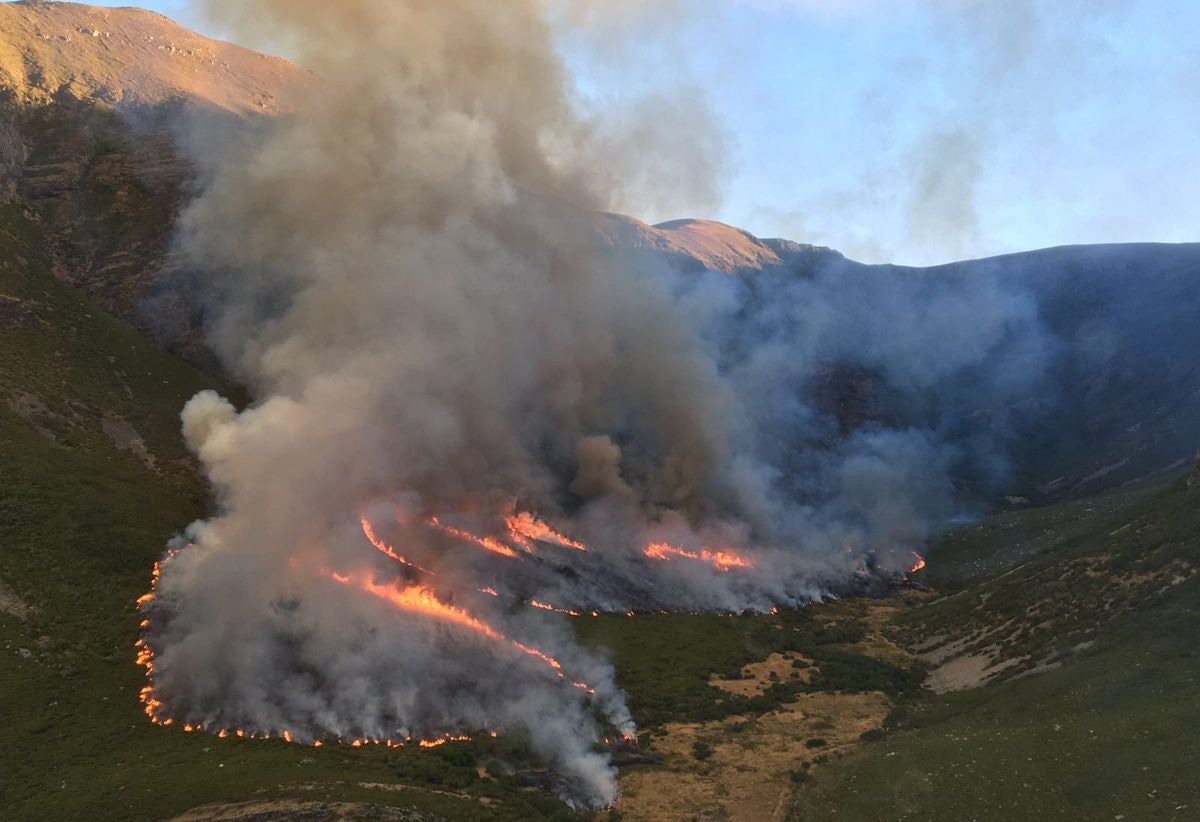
<point x="93" y="148"/>
<point x="130" y="57"/>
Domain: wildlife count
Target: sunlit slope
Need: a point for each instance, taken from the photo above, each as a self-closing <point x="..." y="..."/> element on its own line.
<point x="134" y="58"/>
<point x="1089" y="643"/>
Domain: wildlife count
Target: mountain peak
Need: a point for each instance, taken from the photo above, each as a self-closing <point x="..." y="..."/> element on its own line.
<point x="130" y="58"/>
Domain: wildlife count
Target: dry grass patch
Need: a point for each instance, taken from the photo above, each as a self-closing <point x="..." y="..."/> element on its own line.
<point x="747" y="774"/>
<point x="758" y="676"/>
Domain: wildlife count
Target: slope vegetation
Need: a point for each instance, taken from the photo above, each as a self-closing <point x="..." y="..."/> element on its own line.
<point x="1069" y="678"/>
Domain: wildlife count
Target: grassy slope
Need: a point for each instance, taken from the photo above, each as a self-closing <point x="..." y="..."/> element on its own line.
<point x="81" y="522"/>
<point x="1108" y="730"/>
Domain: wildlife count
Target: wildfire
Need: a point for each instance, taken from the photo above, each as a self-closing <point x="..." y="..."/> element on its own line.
<point x="548" y="607"/>
<point x="383" y="547"/>
<point x="488" y="543"/>
<point x="417" y="599"/>
<point x="918" y="565"/>
<point x="414" y="599"/>
<point x="442" y="740"/>
<point x="721" y="560"/>
<point x="524" y="526"/>
<point x="151" y="705"/>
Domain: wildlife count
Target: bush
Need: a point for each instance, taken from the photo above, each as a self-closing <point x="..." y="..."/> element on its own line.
<point x="799" y="777"/>
<point x="702" y="750"/>
<point x="816" y="742"/>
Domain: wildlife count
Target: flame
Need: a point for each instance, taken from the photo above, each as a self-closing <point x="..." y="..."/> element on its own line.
<point x="525" y="526"/>
<point x="383" y="547"/>
<point x="152" y="705"/>
<point x="489" y="543"/>
<point x="548" y="607"/>
<point x="918" y="565"/>
<point x="417" y="599"/>
<point x="723" y="561"/>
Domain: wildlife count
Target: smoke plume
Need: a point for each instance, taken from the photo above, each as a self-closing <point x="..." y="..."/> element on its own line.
<point x="465" y="413"/>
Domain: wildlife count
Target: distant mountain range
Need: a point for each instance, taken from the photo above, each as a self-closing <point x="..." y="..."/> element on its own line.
<point x="95" y="101"/>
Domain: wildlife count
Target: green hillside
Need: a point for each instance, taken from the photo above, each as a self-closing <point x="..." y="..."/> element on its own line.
<point x="1095" y="633"/>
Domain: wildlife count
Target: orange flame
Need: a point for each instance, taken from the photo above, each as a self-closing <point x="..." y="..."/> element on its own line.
<point x="548" y="607"/>
<point x="414" y="599"/>
<point x="383" y="547"/>
<point x="418" y="599"/>
<point x="525" y="526"/>
<point x="721" y="560"/>
<point x="493" y="545"/>
<point x="918" y="565"/>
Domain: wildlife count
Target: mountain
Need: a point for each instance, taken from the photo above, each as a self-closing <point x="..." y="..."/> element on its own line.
<point x="1052" y="639"/>
<point x="134" y="59"/>
<point x="98" y="104"/>
<point x="705" y="245"/>
<point x="93" y="104"/>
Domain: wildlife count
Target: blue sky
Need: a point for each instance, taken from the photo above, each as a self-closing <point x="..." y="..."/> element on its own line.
<point x="921" y="131"/>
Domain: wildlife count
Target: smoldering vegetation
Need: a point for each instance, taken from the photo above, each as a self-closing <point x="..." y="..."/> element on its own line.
<point x="405" y="276"/>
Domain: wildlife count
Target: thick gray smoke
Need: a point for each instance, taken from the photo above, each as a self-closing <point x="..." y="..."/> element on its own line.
<point x="405" y="275"/>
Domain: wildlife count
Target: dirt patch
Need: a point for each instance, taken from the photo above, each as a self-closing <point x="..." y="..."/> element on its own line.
<point x="959" y="673"/>
<point x="748" y="774"/>
<point x="12" y="605"/>
<point x="126" y="438"/>
<point x="290" y="810"/>
<point x="758" y="676"/>
<point x="40" y="418"/>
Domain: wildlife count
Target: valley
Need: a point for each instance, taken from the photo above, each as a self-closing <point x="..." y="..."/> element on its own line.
<point x="1040" y="659"/>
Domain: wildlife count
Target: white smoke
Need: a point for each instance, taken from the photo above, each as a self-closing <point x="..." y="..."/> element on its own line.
<point x="405" y="276"/>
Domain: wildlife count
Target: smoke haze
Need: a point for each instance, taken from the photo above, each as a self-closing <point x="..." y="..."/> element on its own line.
<point x="406" y="277"/>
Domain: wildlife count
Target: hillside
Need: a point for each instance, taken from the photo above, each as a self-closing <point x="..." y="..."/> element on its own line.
<point x="1042" y="665"/>
<point x="1067" y="671"/>
<point x="93" y="104"/>
<point x="132" y="59"/>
